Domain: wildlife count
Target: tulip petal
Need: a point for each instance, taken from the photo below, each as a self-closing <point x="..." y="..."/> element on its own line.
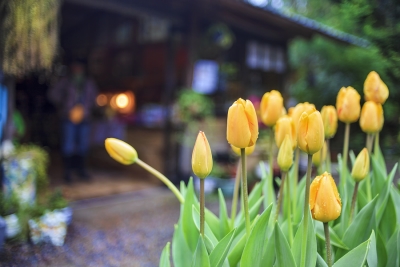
<point x="202" y="157"/>
<point x="238" y="133"/>
<point x="252" y="121"/>
<point x="120" y="151"/>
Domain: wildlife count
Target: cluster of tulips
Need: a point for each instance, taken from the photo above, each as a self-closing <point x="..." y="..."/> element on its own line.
<point x="360" y="218"/>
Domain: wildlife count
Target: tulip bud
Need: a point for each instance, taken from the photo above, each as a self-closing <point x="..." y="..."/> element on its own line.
<point x="375" y="89"/>
<point x="329" y="117"/>
<point x="371" y="119"/>
<point x="325" y="203"/>
<point x="296" y="112"/>
<point x="310" y="135"/>
<point x="285" y="154"/>
<point x="242" y="124"/>
<point x="271" y="107"/>
<point x="284" y="126"/>
<point x="121" y="151"/>
<point x="361" y="166"/>
<point x="248" y="150"/>
<point x="348" y="105"/>
<point x="320" y="156"/>
<point x="202" y="161"/>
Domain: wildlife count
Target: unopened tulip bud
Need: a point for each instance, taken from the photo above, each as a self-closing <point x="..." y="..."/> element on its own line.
<point x="285" y="154"/>
<point x="121" y="151"/>
<point x="371" y="119"/>
<point x="202" y="161"/>
<point x="361" y="166"/>
<point x="284" y="126"/>
<point x="375" y="89"/>
<point x="329" y="117"/>
<point x="296" y="112"/>
<point x="271" y="107"/>
<point x="248" y="150"/>
<point x="242" y="124"/>
<point x="320" y="156"/>
<point x="325" y="202"/>
<point x="310" y="135"/>
<point x="348" y="105"/>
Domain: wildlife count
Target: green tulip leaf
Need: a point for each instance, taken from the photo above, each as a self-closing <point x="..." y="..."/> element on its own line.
<point x="393" y="249"/>
<point x="183" y="188"/>
<point x="356" y="257"/>
<point x="379" y="176"/>
<point x="235" y="254"/>
<point x="219" y="253"/>
<point x="224" y="225"/>
<point x="254" y="210"/>
<point x="164" y="260"/>
<point x="201" y="258"/>
<point x="320" y="261"/>
<point x="384" y="194"/>
<point x="379" y="157"/>
<point x="359" y="229"/>
<point x="268" y="186"/>
<point x="212" y="220"/>
<point x="299" y="202"/>
<point x="255" y="248"/>
<point x="372" y="256"/>
<point x="190" y="231"/>
<point x="311" y="249"/>
<point x="209" y="238"/>
<point x="389" y="219"/>
<point x="284" y="257"/>
<point x="335" y="239"/>
<point x="181" y="254"/>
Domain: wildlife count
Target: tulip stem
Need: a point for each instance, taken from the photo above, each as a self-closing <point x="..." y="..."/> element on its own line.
<point x="235" y="195"/>
<point x="376" y="143"/>
<point x="278" y="206"/>
<point x="328" y="156"/>
<point x="306" y="211"/>
<point x="345" y="155"/>
<point x="289" y="212"/>
<point x="328" y="244"/>
<point x="163" y="179"/>
<point x="202" y="204"/>
<point x="245" y="191"/>
<point x="353" y="201"/>
<point x="370" y="140"/>
<point x="295" y="177"/>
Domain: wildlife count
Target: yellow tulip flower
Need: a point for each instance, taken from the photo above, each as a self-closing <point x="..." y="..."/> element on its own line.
<point x="361" y="166"/>
<point x="285" y="154"/>
<point x="375" y="89"/>
<point x="371" y="119"/>
<point x="121" y="151"/>
<point x="248" y="150"/>
<point x="310" y="135"/>
<point x="242" y="124"/>
<point x="329" y="117"/>
<point x="325" y="202"/>
<point x="348" y="105"/>
<point x="271" y="107"/>
<point x="202" y="161"/>
<point x="295" y="113"/>
<point x="285" y="125"/>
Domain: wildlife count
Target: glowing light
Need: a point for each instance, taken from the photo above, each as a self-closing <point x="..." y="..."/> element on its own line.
<point x="101" y="100"/>
<point x="122" y="101"/>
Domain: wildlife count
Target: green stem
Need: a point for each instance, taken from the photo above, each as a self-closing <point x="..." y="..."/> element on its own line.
<point x="328" y="156"/>
<point x="306" y="211"/>
<point x="278" y="207"/>
<point x="370" y="140"/>
<point x="245" y="191"/>
<point x="376" y="143"/>
<point x="202" y="204"/>
<point x="353" y="201"/>
<point x="295" y="179"/>
<point x="235" y="195"/>
<point x="271" y="155"/>
<point x="345" y="154"/>
<point x="289" y="213"/>
<point x="328" y="245"/>
<point x="163" y="179"/>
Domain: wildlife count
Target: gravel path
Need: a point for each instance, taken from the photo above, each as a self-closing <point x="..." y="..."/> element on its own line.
<point x="125" y="230"/>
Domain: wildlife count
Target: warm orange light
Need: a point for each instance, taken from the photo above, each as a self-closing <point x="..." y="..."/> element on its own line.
<point x="101" y="100"/>
<point x="122" y="101"/>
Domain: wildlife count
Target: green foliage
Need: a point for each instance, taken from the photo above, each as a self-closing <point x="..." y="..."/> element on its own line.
<point x="29" y="31"/>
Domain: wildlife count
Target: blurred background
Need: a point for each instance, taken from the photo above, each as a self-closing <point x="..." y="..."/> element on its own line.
<point x="153" y="73"/>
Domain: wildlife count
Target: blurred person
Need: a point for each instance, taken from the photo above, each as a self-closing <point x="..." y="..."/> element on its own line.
<point x="74" y="96"/>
